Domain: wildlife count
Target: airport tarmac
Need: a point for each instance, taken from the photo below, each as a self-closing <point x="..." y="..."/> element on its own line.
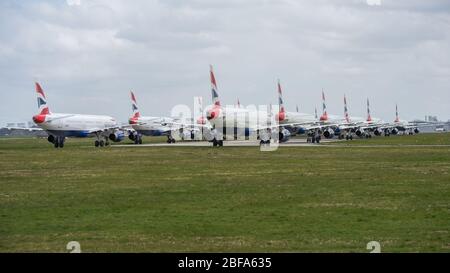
<point x="290" y="143"/>
<point x="232" y="143"/>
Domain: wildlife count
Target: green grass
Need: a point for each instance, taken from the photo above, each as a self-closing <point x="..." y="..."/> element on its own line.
<point x="297" y="199"/>
<point x="420" y="139"/>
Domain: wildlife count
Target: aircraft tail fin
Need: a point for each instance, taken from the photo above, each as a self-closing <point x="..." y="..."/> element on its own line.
<point x="215" y="95"/>
<point x="282" y="112"/>
<point x="324" y="116"/>
<point x="397" y="118"/>
<point x="347" y="117"/>
<point x="280" y="98"/>
<point x="136" y="113"/>
<point x="41" y="100"/>
<point x="369" y="117"/>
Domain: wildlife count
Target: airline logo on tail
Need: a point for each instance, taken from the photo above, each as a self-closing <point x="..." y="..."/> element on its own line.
<point x="42" y="105"/>
<point x="282" y="114"/>
<point x="215" y="96"/>
<point x="369" y="117"/>
<point x="324" y="116"/>
<point x="215" y="111"/>
<point x="42" y="100"/>
<point x="397" y="118"/>
<point x="134" y="107"/>
<point x="347" y="118"/>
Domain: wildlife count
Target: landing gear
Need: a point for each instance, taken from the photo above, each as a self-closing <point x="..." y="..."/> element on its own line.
<point x="264" y="142"/>
<point x="58" y="141"/>
<point x="170" y="139"/>
<point x="318" y="138"/>
<point x="100" y="142"/>
<point x="138" y="139"/>
<point x="217" y="143"/>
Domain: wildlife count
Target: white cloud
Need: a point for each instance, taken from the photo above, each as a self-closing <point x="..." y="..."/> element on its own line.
<point x="73" y="2"/>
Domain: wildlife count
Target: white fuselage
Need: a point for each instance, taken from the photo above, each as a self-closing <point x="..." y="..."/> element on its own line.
<point x="153" y="126"/>
<point x="75" y="124"/>
<point x="230" y="117"/>
<point x="298" y="118"/>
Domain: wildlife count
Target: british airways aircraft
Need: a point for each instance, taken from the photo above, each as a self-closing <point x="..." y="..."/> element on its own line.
<point x="148" y="126"/>
<point x="231" y="122"/>
<point x="59" y="126"/>
<point x="173" y="128"/>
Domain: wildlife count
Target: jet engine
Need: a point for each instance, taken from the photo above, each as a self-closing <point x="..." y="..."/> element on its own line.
<point x="416" y="130"/>
<point x="328" y="133"/>
<point x="284" y="135"/>
<point x="117" y="136"/>
<point x="359" y="132"/>
<point x="51" y="138"/>
<point x="394" y="131"/>
<point x="378" y="132"/>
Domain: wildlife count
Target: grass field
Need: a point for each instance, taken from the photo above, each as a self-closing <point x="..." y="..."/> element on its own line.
<point x="297" y="199"/>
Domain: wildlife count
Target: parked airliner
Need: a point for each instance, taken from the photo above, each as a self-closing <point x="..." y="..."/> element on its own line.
<point x="231" y="122"/>
<point x="59" y="126"/>
<point x="403" y="125"/>
<point x="160" y="126"/>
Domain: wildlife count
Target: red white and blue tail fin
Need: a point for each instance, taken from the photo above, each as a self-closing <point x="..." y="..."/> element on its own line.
<point x="282" y="112"/>
<point x="215" y="95"/>
<point x="280" y="98"/>
<point x="369" y="117"/>
<point x="347" y="117"/>
<point x="397" y="118"/>
<point x="324" y="116"/>
<point x="41" y="100"/>
<point x="134" y="107"/>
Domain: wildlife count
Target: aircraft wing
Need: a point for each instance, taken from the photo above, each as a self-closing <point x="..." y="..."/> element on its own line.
<point x="31" y="129"/>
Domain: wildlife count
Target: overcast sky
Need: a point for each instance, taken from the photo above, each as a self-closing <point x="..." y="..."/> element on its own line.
<point x="88" y="54"/>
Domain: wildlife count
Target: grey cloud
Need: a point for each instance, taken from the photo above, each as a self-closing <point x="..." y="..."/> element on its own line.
<point x="89" y="56"/>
